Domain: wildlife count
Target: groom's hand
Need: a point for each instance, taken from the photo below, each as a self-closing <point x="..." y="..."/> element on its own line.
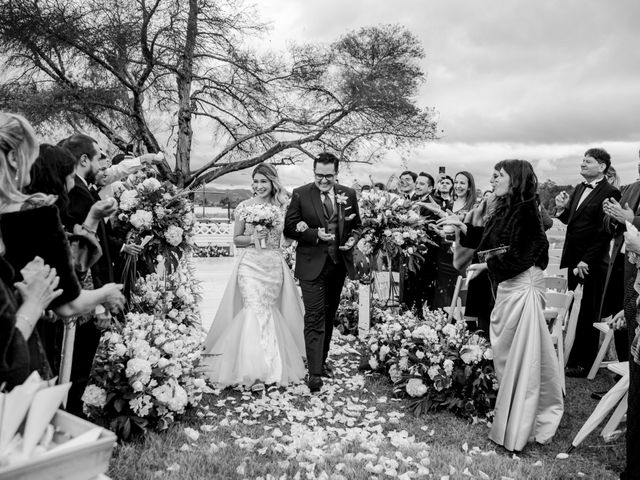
<point x="349" y="245"/>
<point x="324" y="236"/>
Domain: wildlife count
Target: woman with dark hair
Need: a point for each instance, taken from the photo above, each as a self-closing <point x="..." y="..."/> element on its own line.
<point x="464" y="188"/>
<point x="513" y="247"/>
<point x="256" y="337"/>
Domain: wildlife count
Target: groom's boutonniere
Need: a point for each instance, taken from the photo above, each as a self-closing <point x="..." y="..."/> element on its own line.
<point x="341" y="199"/>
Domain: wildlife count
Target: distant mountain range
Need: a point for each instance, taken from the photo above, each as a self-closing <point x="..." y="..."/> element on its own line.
<point x="213" y="196"/>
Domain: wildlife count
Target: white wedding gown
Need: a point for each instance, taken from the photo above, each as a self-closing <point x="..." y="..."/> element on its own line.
<point x="257" y="333"/>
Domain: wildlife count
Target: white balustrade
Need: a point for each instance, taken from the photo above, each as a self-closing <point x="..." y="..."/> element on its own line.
<point x="218" y="233"/>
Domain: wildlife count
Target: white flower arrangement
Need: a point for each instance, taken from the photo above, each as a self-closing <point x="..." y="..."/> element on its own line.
<point x="153" y="381"/>
<point x="145" y="371"/>
<point x="148" y="206"/>
<point x="392" y="227"/>
<point x="436" y="363"/>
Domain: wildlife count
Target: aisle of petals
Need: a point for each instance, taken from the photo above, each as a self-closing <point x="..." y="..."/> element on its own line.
<point x="330" y="435"/>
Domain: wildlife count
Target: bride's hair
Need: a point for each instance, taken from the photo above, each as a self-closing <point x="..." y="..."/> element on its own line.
<point x="278" y="193"/>
<point x="17" y="139"/>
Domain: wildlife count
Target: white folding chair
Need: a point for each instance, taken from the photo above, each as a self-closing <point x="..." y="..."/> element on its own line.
<point x="557" y="284"/>
<point x="555" y="254"/>
<point x="556" y="311"/>
<point x="458" y="300"/>
<point x="599" y="362"/>
<point x="554" y="270"/>
<point x="616" y="399"/>
<point x="572" y="323"/>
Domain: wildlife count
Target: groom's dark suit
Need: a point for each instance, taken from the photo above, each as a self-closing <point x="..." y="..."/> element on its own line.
<point x="587" y="240"/>
<point x="320" y="267"/>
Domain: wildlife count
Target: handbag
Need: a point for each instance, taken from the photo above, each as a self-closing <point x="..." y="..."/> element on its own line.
<point x="484" y="255"/>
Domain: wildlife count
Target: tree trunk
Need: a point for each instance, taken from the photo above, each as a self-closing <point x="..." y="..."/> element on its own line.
<point x="184" y="80"/>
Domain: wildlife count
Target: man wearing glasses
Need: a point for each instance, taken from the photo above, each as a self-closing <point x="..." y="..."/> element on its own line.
<point x="323" y="217"/>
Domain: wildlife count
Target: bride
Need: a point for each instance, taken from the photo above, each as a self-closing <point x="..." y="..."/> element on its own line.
<point x="257" y="334"/>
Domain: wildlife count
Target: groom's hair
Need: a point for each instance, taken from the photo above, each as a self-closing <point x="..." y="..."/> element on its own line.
<point x="326" y="158"/>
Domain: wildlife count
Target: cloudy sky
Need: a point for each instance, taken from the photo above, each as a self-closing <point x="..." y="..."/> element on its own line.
<point x="540" y="80"/>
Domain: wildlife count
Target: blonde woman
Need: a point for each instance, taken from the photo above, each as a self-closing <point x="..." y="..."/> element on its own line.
<point x="256" y="337"/>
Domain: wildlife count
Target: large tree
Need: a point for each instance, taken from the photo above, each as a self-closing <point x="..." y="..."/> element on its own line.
<point x="133" y="69"/>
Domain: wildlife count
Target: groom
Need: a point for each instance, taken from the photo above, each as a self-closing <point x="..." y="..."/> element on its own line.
<point x="323" y="217"/>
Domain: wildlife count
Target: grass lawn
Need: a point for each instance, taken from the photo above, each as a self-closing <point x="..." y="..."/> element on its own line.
<point x="354" y="429"/>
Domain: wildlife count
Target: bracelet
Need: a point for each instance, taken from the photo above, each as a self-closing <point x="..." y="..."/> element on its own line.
<point x="84" y="226"/>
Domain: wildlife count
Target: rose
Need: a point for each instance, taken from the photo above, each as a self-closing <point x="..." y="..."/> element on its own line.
<point x="416" y="388"/>
<point x="174" y="235"/>
<point x="128" y="200"/>
<point x="151" y="184"/>
<point x="142" y="220"/>
<point x="94" y="396"/>
<point x="471" y="354"/>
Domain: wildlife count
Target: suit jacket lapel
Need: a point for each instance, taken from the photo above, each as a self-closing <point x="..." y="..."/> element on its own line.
<point x="316" y="201"/>
<point x="590" y="198"/>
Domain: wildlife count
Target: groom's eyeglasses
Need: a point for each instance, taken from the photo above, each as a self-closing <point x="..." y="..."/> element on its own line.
<point x="328" y="178"/>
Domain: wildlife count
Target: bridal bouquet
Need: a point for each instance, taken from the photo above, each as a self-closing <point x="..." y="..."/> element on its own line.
<point x="435" y="363"/>
<point x="260" y="215"/>
<point x="391" y="226"/>
<point x="156" y="210"/>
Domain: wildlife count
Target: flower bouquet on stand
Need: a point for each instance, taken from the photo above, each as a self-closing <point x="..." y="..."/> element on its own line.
<point x="393" y="233"/>
<point x="261" y="216"/>
<point x="156" y="213"/>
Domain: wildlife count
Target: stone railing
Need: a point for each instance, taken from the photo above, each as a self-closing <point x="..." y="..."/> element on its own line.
<point x="216" y="232"/>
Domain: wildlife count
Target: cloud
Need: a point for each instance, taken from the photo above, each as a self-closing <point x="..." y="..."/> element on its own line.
<point x="539" y="80"/>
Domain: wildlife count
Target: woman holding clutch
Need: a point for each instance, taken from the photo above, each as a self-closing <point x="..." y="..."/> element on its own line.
<point x="513" y="247"/>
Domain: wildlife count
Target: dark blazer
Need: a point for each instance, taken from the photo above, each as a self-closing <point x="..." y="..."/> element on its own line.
<point x="587" y="239"/>
<point x="311" y="253"/>
<point x="630" y="195"/>
<point x="520" y="228"/>
<point x="80" y="202"/>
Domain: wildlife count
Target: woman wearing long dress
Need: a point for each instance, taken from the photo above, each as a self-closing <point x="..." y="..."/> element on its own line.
<point x="257" y="334"/>
<point x="529" y="404"/>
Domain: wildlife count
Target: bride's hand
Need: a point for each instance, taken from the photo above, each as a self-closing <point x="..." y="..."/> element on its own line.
<point x="260" y="233"/>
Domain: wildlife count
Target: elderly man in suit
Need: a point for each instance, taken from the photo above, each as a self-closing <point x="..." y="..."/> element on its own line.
<point x="323" y="217"/>
<point x="586" y="251"/>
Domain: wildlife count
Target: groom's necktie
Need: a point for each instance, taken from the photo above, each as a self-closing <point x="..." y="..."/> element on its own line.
<point x="327" y="206"/>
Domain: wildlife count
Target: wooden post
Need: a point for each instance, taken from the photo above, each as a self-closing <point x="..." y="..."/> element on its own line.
<point x="364" y="309"/>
